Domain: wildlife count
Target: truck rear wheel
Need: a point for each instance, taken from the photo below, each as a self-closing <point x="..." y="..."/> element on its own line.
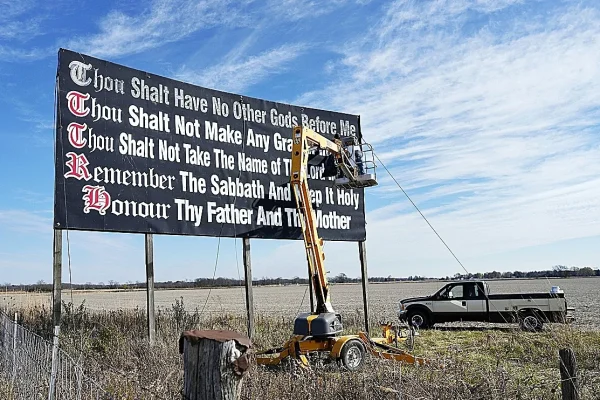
<point x="419" y="319"/>
<point x="530" y="321"/>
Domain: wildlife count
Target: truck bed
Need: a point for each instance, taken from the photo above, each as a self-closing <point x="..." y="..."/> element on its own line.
<point x="532" y="295"/>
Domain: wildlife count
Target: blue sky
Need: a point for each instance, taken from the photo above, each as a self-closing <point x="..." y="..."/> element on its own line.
<point x="486" y="112"/>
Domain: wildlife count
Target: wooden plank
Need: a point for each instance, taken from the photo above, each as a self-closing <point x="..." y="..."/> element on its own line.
<point x="190" y="369"/>
<point x="248" y="284"/>
<point x="150" y="288"/>
<point x="362" y="254"/>
<point x="568" y="374"/>
<point x="209" y="371"/>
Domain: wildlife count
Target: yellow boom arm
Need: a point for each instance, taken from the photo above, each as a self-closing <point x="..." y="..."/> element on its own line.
<point x="305" y="139"/>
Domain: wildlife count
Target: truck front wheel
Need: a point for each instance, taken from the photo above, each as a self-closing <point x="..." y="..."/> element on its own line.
<point x="419" y="319"/>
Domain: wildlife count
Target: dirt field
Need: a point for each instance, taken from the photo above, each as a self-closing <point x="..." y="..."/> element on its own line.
<point x="581" y="293"/>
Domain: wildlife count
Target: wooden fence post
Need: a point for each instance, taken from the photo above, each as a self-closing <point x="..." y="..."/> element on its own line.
<point x="214" y="363"/>
<point x="14" y="352"/>
<point x="568" y="374"/>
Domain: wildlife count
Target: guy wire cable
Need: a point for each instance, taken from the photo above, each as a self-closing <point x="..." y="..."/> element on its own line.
<point x="431" y="226"/>
<point x="221" y="232"/>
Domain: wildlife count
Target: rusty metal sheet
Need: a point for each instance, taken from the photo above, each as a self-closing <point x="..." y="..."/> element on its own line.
<point x="221" y="336"/>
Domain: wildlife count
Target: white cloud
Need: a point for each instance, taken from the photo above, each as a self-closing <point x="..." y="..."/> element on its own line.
<point x="19" y="29"/>
<point x="165" y="21"/>
<point x="25" y="221"/>
<point x="296" y="10"/>
<point x="11" y="9"/>
<point x="10" y="54"/>
<point x="12" y="24"/>
<point x="169" y="21"/>
<point x="90" y="255"/>
<point x="33" y="197"/>
<point x="404" y="15"/>
<point x="20" y="23"/>
<point x="237" y="73"/>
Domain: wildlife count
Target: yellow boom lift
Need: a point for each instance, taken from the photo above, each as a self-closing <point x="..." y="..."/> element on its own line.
<point x="320" y="332"/>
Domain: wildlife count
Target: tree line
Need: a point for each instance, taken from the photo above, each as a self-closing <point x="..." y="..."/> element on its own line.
<point x="558" y="271"/>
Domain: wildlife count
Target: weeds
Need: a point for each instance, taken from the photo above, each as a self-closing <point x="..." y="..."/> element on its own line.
<point x="486" y="364"/>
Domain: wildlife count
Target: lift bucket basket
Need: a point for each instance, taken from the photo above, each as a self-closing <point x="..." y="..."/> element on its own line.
<point x="359" y="170"/>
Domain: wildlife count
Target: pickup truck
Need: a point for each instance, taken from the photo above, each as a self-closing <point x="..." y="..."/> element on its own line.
<point x="472" y="301"/>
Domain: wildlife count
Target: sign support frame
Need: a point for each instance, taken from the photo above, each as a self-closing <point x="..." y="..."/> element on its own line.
<point x="248" y="286"/>
<point x="362" y="254"/>
<point x="56" y="306"/>
<point x="149" y="250"/>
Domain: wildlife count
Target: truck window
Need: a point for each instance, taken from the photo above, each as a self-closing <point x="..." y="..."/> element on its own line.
<point x="457" y="292"/>
<point x="452" y="292"/>
<point x="474" y="291"/>
<point x="480" y="291"/>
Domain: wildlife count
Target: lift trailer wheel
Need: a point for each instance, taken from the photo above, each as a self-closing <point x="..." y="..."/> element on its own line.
<point x="353" y="355"/>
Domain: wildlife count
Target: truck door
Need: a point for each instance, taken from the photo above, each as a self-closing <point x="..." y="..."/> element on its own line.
<point x="476" y="304"/>
<point x="451" y="305"/>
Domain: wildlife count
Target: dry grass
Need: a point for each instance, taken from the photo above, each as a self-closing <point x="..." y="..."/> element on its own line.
<point x="486" y="364"/>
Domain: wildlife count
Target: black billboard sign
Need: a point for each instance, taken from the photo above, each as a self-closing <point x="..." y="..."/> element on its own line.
<point x="137" y="152"/>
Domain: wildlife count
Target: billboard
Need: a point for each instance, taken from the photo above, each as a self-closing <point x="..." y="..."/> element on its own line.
<point x="141" y="153"/>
